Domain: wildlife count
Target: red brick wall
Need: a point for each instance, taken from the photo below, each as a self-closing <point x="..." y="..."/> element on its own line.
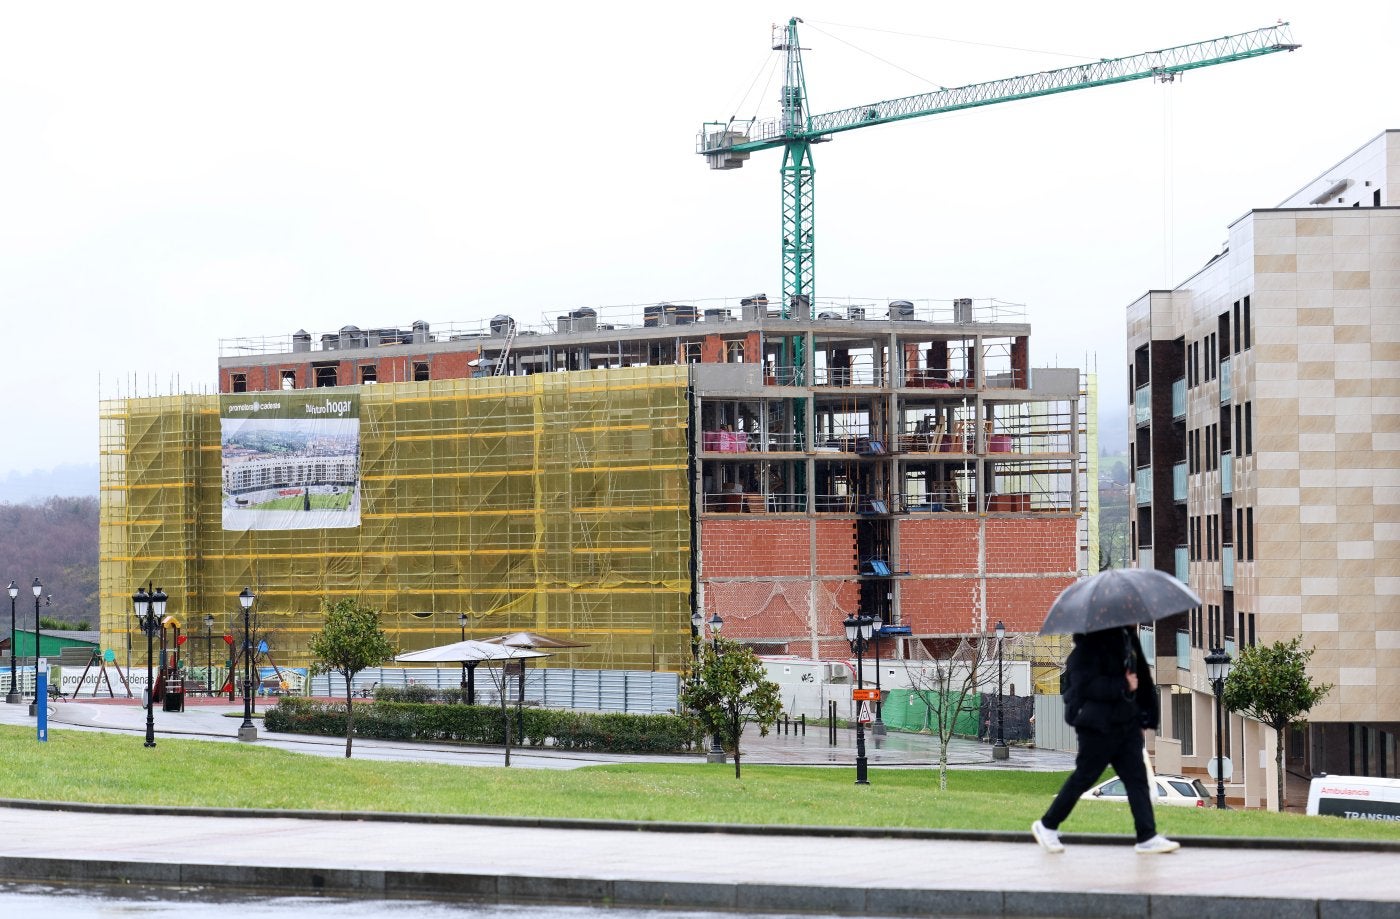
<point x="942" y="606"/>
<point x="836" y="547"/>
<point x="939" y="545"/>
<point x="754" y="547"/>
<point x="1022" y="602"/>
<point x="1031" y="544"/>
<point x="453" y="365"/>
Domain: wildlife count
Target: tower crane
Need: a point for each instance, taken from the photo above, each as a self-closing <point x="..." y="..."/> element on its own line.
<point x="727" y="144"/>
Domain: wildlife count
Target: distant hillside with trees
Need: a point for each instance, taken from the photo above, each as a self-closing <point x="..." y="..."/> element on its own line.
<point x="55" y="540"/>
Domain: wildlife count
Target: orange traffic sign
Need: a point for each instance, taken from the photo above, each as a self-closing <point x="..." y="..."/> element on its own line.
<point x="865" y="695"/>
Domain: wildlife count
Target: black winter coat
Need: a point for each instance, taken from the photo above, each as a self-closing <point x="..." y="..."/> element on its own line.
<point x="1096" y="695"/>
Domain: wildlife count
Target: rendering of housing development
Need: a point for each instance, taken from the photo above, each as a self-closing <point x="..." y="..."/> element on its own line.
<point x="1265" y="406"/>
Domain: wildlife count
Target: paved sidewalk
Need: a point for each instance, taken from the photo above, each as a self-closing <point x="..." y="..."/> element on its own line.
<point x="745" y="872"/>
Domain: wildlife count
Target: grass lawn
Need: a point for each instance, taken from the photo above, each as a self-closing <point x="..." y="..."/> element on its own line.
<point x="109" y="768"/>
<point x="337" y="502"/>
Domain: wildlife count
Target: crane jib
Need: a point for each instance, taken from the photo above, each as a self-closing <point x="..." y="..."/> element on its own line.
<point x="764" y="135"/>
<point x="727" y="145"/>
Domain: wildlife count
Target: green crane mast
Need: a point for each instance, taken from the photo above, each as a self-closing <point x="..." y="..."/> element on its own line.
<point x="727" y="144"/>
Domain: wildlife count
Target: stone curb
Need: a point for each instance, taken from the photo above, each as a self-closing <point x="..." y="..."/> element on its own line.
<point x="680" y="895"/>
<point x="737" y="829"/>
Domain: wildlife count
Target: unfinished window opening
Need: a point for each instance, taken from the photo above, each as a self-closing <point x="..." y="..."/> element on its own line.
<point x="369" y="373"/>
<point x="420" y="371"/>
<point x="734" y="352"/>
<point x="289" y="379"/>
<point x="326" y="374"/>
<point x="238" y="382"/>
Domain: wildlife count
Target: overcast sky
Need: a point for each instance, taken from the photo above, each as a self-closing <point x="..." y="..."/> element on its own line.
<point x="173" y="174"/>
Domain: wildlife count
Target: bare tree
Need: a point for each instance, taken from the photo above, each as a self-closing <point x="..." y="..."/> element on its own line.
<point x="948" y="686"/>
<point x="502" y="677"/>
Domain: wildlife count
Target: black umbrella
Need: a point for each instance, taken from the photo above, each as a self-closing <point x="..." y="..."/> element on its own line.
<point x="1119" y="596"/>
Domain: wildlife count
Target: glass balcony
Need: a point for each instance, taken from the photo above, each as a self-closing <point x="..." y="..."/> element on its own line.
<point x="1179" y="399"/>
<point x="1179" y="482"/>
<point x="1148" y="636"/>
<point x="1227" y="566"/>
<point x="1144" y="485"/>
<point x="1226" y="387"/>
<point x="1183" y="564"/>
<point x="1227" y="474"/>
<point x="1142" y="405"/>
<point x="1183" y="650"/>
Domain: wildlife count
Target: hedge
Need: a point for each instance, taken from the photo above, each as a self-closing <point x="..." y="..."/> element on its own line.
<point x="602" y="732"/>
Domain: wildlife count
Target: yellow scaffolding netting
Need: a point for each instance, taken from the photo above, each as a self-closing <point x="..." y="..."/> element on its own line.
<point x="551" y="503"/>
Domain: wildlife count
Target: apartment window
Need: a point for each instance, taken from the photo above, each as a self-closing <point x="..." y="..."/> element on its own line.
<point x="1248" y="429"/>
<point x="238" y="382"/>
<point x="420" y="371"/>
<point x="1182" y="729"/>
<point x="1195" y="626"/>
<point x="1249" y="534"/>
<point x="1224" y="324"/>
<point x="1239" y="429"/>
<point x="1244" y="323"/>
<point x="1236" y="314"/>
<point x="1225" y="430"/>
<point x="289" y="379"/>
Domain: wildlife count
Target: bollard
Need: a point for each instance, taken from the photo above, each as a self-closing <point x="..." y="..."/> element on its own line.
<point x="831" y="723"/>
<point x="804" y="724"/>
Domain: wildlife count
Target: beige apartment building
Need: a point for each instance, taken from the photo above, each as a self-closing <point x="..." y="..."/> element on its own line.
<point x="1265" y="420"/>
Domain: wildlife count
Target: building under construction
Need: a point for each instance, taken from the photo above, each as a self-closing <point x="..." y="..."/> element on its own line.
<point x="603" y="476"/>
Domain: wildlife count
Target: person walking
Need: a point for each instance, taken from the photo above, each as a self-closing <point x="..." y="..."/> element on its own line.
<point x="1111" y="701"/>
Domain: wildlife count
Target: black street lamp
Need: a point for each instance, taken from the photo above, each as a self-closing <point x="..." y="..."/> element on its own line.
<point x="208" y="654"/>
<point x="858" y="632"/>
<point x="1218" y="665"/>
<point x="247" y="730"/>
<point x="1000" y="750"/>
<point x="14" y="697"/>
<point x="34" y="706"/>
<point x="716" y="754"/>
<point x="149" y="607"/>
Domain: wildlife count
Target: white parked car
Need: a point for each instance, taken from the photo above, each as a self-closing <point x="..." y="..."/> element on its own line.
<point x="1174" y="790"/>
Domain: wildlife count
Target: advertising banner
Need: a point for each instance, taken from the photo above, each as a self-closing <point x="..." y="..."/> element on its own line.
<point x="291" y="460"/>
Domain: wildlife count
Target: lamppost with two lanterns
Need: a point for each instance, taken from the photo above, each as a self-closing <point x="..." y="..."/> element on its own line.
<point x="859" y="629"/>
<point x="1218" y="666"/>
<point x="149" y="607"/>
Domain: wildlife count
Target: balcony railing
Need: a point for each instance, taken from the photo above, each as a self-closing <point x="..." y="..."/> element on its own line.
<point x="1183" y="564"/>
<point x="1142" y="405"/>
<point x="1226" y="386"/>
<point x="1227" y="566"/>
<point x="1227" y="474"/>
<point x="1179" y="482"/>
<point x="1179" y="399"/>
<point x="1144" y="485"/>
<point x="1183" y="650"/>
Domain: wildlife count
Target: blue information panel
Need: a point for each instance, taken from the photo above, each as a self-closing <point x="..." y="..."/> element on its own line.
<point x="41" y="697"/>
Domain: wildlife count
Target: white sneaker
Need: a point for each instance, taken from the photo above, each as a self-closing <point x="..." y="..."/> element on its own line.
<point x="1157" y="845"/>
<point x="1049" y="839"/>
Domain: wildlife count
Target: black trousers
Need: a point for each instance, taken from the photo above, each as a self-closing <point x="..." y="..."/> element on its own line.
<point x="1122" y="749"/>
